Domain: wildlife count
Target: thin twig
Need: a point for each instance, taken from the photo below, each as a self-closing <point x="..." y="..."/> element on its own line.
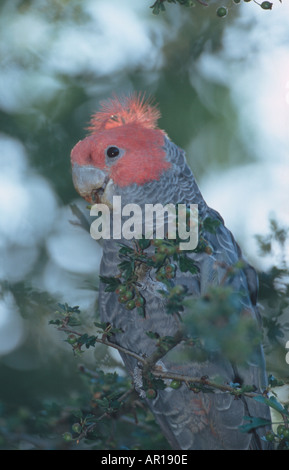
<point x="161" y="352"/>
<point x="105" y="342"/>
<point x="91" y="426"/>
<point x="203" y="381"/>
<point x="149" y="365"/>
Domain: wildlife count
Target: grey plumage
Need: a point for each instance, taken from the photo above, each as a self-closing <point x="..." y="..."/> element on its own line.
<point x="188" y="420"/>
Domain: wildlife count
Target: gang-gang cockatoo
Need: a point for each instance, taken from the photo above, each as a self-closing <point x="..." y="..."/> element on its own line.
<point x="127" y="155"/>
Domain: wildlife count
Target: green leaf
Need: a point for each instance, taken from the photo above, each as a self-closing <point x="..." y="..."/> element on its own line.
<point x="112" y="283"/>
<point x="87" y="340"/>
<point x="253" y="423"/>
<point x="67" y="309"/>
<point x="156" y="8"/>
<point x="152" y="334"/>
<point x="157" y="384"/>
<point x="127" y="268"/>
<point x="73" y="321"/>
<point x="102" y="325"/>
<point x="77" y="413"/>
<point x="144" y="243"/>
<point x="55" y="322"/>
<point x="273" y="403"/>
<point x="187" y="264"/>
<point x="125" y="249"/>
<point x="141" y="311"/>
<point x="211" y="225"/>
<point x="103" y="403"/>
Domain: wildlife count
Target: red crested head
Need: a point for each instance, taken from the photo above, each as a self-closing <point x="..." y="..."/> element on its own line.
<point x="124" y="142"/>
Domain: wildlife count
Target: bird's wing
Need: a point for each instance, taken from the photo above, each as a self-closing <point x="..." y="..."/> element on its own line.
<point x="212" y="420"/>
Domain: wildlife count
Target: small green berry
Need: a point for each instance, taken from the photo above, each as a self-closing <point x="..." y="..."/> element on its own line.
<point x="222" y="11"/>
<point x="151" y="393"/>
<point x="158" y="258"/>
<point x="162" y="249"/>
<point x="269" y="436"/>
<point x="76" y="427"/>
<point x="162" y="271"/>
<point x="177" y="290"/>
<point x="71" y="339"/>
<point x="157" y="242"/>
<point x="266" y="5"/>
<point x="159" y="276"/>
<point x="121" y="289"/>
<point x="280" y="429"/>
<point x="208" y="250"/>
<point x="128" y="294"/>
<point x="170" y="275"/>
<point x="170" y="268"/>
<point x="171" y="250"/>
<point x="130" y="304"/>
<point x="67" y="436"/>
<point x="175" y="384"/>
<point x="139" y="301"/>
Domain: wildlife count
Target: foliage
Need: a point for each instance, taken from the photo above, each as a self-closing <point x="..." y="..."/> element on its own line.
<point x="213" y="323"/>
<point x="113" y="399"/>
<point x="159" y="5"/>
<point x="164" y="260"/>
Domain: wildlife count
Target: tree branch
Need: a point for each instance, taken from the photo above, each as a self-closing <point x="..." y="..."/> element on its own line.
<point x="161" y="351"/>
<point x="106" y="342"/>
<point x="149" y="365"/>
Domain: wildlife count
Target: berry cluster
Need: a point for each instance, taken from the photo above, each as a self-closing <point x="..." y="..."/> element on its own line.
<point x="163" y="250"/>
<point x="223" y="11"/>
<point x="128" y="295"/>
<point x="166" y="272"/>
<point x="280" y="437"/>
<point x="159" y="5"/>
<point x="166" y="259"/>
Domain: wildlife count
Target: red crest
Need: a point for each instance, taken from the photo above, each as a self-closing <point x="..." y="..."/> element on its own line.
<point x="118" y="111"/>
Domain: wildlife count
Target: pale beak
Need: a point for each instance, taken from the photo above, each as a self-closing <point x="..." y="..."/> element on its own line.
<point x="93" y="184"/>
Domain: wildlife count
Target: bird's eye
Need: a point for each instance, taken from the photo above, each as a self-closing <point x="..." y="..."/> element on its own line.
<point x="112" y="152"/>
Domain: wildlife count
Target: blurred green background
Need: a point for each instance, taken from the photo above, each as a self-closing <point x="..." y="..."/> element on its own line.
<point x="222" y="85"/>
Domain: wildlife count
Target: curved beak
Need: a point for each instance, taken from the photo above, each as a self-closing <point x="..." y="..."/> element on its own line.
<point x="92" y="184"/>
